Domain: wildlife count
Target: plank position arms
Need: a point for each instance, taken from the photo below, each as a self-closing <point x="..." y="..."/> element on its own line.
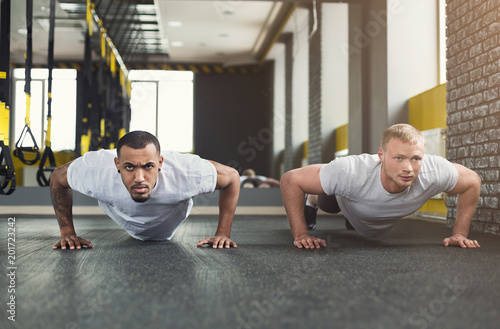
<point x="62" y="201"/>
<point x="147" y="193"/>
<point x="375" y="191"/>
<point x="297" y="182"/>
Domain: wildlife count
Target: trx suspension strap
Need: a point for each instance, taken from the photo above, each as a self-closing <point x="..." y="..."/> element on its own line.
<point x="85" y="133"/>
<point x="7" y="170"/>
<point x="21" y="150"/>
<point x="47" y="153"/>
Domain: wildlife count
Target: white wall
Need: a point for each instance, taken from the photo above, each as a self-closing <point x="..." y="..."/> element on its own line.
<point x="375" y="95"/>
<point x="300" y="83"/>
<point x="335" y="69"/>
<point x="277" y="53"/>
<point x="412" y="42"/>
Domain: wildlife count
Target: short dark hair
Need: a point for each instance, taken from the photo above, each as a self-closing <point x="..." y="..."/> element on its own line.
<point x="137" y="140"/>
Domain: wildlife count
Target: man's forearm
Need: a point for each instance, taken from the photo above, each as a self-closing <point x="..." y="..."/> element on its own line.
<point x="467" y="189"/>
<point x="62" y="201"/>
<point x="466" y="206"/>
<point x="293" y="201"/>
<point x="228" y="184"/>
<point x="228" y="200"/>
<point x="294" y="209"/>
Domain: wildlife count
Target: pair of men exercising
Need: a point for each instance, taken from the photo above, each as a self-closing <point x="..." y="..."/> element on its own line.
<point x="149" y="193"/>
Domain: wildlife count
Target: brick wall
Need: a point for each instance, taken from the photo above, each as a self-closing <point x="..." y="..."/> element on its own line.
<point x="473" y="105"/>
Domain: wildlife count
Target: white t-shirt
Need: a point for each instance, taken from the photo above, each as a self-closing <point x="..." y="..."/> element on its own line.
<point x="355" y="181"/>
<point x="261" y="178"/>
<point x="182" y="177"/>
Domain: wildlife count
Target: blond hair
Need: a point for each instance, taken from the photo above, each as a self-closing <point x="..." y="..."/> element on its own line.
<point x="404" y="132"/>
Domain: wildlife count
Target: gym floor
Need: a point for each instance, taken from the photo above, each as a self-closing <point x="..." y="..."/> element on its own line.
<point x="406" y="279"/>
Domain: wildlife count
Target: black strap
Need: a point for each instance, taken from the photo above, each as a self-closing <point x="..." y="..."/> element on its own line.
<point x="5" y="51"/>
<point x="22" y="151"/>
<point x="47" y="153"/>
<point x="51" y="54"/>
<point x="42" y="169"/>
<point x="29" y="46"/>
<point x="7" y="170"/>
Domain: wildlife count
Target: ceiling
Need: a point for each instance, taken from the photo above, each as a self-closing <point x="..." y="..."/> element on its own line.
<point x="155" y="31"/>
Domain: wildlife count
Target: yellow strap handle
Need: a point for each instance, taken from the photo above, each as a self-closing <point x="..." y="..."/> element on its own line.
<point x="28" y="106"/>
<point x="103" y="127"/>
<point x="90" y="6"/>
<point x="129" y="89"/>
<point x="121" y="132"/>
<point x="103" y="43"/>
<point x="112" y="65"/>
<point x="4" y="123"/>
<point x="49" y="125"/>
<point x="47" y="136"/>
<point x="85" y="142"/>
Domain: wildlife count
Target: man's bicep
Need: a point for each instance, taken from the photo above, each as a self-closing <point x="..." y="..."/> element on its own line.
<point x="306" y="178"/>
<point x="466" y="179"/>
<point x="225" y="175"/>
<point x="59" y="177"/>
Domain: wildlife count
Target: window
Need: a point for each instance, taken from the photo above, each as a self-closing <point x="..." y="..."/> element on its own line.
<point x="63" y="107"/>
<point x="162" y="103"/>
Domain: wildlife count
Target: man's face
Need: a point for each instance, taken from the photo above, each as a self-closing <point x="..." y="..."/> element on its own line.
<point x="139" y="170"/>
<point x="401" y="164"/>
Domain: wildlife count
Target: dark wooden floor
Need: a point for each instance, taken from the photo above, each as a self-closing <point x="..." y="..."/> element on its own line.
<point x="405" y="280"/>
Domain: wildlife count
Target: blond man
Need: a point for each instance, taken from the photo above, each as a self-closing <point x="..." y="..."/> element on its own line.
<point x="374" y="191"/>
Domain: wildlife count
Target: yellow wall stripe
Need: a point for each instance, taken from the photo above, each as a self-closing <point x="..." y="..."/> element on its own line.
<point x="428" y="111"/>
<point x="342" y="138"/>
